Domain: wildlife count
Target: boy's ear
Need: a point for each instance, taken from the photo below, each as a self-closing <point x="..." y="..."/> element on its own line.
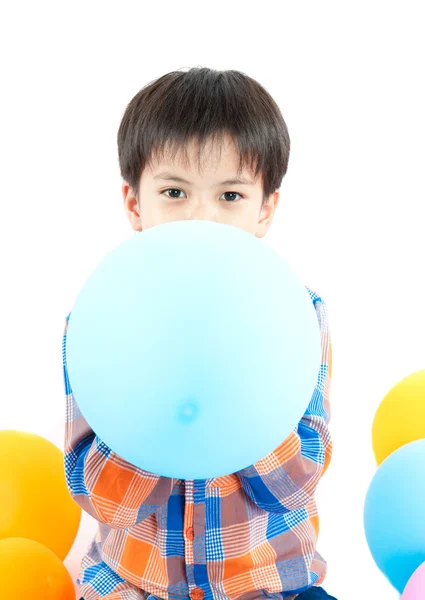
<point x="131" y="207"/>
<point x="267" y="213"/>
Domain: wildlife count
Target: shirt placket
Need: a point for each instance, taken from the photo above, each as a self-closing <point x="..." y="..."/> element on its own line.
<point x="194" y="535"/>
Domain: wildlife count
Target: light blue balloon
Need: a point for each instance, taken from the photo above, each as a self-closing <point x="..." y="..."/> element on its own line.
<point x="394" y="514"/>
<point x="193" y="349"/>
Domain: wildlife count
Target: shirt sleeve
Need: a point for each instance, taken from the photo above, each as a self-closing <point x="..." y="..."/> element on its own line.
<point x="286" y="479"/>
<point x="106" y="486"/>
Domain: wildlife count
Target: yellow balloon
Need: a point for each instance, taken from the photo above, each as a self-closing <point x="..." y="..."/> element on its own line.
<point x="29" y="570"/>
<point x="400" y="417"/>
<point x="35" y="501"/>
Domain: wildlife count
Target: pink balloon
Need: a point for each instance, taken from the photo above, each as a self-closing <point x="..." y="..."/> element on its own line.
<point x="415" y="588"/>
<point x="88" y="526"/>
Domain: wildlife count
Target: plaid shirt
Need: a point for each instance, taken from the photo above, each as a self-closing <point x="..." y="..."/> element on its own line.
<point x="248" y="535"/>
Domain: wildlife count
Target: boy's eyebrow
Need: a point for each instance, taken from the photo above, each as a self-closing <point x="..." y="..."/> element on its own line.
<point x="236" y="181"/>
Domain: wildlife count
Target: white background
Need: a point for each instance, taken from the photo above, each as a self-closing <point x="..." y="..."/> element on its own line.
<point x="348" y="77"/>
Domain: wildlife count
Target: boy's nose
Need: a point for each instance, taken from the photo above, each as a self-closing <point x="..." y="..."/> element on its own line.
<point x="202" y="213"/>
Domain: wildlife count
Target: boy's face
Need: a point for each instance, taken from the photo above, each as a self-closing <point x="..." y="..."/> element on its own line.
<point x="163" y="198"/>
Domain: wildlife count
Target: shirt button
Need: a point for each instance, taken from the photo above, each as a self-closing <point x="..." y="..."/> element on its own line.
<point x="191" y="535"/>
<point x="197" y="594"/>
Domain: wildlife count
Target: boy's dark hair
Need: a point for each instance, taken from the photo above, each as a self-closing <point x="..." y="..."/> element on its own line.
<point x="204" y="104"/>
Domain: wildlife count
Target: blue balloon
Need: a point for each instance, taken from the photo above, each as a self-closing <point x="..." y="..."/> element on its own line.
<point x="193" y="350"/>
<point x="394" y="514"/>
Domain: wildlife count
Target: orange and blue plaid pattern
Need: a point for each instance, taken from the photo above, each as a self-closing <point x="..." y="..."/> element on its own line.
<point x="248" y="535"/>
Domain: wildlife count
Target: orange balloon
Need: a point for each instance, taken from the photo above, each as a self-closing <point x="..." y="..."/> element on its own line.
<point x="316" y="525"/>
<point x="35" y="501"/>
<point x="29" y="570"/>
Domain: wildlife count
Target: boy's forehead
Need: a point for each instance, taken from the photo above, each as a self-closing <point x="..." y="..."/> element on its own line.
<point x="187" y="164"/>
<point x="191" y="156"/>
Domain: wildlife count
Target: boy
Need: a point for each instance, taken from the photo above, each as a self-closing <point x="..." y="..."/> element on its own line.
<point x="247" y="535"/>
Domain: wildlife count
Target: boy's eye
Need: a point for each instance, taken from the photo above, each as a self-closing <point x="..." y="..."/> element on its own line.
<point x="178" y="190"/>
